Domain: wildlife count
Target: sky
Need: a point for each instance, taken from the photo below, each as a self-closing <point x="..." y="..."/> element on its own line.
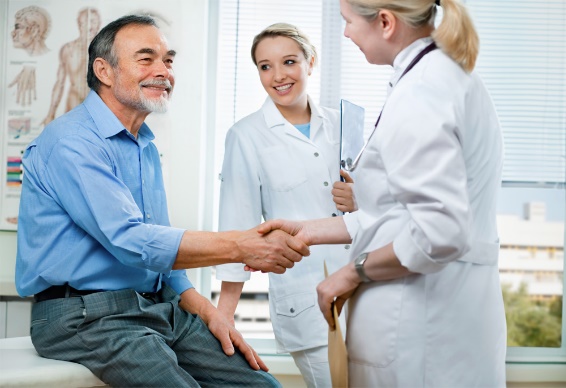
<point x="512" y="200"/>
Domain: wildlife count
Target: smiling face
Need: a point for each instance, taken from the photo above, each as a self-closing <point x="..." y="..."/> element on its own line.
<point x="144" y="79"/>
<point x="283" y="71"/>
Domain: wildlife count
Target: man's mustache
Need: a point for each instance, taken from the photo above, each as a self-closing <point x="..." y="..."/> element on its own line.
<point x="158" y="82"/>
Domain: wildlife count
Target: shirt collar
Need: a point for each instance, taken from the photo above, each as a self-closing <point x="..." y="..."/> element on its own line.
<point x="106" y="121"/>
<point x="404" y="58"/>
<point x="274" y="118"/>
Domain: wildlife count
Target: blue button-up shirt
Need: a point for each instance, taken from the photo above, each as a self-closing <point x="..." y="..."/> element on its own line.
<point x="93" y="211"/>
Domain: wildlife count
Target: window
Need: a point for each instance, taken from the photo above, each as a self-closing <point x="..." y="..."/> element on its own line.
<point x="522" y="62"/>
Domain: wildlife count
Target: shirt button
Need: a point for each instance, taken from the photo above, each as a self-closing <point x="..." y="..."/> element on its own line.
<point x="292" y="310"/>
<point x="316" y="154"/>
<point x="143" y="181"/>
<point x="148" y="215"/>
<point x="325" y="183"/>
<point x="346" y="247"/>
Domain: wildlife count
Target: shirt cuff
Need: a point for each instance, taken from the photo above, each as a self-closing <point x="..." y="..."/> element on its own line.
<point x="352" y="224"/>
<point x="178" y="281"/>
<point x="160" y="251"/>
<point x="232" y="273"/>
<point x="412" y="256"/>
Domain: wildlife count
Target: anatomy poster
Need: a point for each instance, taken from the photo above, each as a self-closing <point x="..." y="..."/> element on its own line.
<point x="45" y="62"/>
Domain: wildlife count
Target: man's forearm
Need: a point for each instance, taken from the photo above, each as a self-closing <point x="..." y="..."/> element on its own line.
<point x="204" y="249"/>
<point x="271" y="252"/>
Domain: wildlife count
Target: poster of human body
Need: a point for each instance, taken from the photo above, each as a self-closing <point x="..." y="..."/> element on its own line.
<point x="45" y="63"/>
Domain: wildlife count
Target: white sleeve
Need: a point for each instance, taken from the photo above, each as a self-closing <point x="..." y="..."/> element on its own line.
<point x="240" y="194"/>
<point x="426" y="172"/>
<point x="351" y="221"/>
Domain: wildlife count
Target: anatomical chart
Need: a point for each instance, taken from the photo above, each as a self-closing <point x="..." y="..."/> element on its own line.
<point x="46" y="60"/>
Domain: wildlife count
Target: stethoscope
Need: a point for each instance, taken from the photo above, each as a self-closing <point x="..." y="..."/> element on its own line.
<point x="347" y="164"/>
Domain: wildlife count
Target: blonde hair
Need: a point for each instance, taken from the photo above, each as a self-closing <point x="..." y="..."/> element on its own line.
<point x="288" y="31"/>
<point x="456" y="34"/>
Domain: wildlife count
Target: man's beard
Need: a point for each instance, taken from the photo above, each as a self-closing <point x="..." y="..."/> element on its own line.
<point x="152" y="105"/>
<point x="145" y="104"/>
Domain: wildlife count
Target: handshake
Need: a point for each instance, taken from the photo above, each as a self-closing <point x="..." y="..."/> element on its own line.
<point x="273" y="246"/>
<point x="277" y="245"/>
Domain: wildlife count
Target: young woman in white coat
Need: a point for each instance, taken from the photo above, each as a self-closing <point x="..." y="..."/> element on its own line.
<point x="281" y="161"/>
<point x="425" y="303"/>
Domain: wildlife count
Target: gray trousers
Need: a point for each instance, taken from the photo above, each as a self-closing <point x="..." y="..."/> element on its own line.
<point x="127" y="340"/>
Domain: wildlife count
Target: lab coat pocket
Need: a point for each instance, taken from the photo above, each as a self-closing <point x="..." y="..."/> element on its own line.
<point x="373" y="323"/>
<point x="298" y="321"/>
<point x="281" y="168"/>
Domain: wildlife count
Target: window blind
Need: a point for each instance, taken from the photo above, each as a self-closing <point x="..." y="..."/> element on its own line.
<point x="523" y="64"/>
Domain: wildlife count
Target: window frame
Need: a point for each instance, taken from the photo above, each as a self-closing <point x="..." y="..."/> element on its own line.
<point x="516" y="356"/>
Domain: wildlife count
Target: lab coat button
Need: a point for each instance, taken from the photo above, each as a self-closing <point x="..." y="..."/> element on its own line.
<point x="346" y="247"/>
<point x="316" y="154"/>
<point x="333" y="214"/>
<point x="292" y="310"/>
<point x="326" y="183"/>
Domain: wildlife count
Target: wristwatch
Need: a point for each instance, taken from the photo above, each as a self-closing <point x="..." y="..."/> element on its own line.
<point x="359" y="264"/>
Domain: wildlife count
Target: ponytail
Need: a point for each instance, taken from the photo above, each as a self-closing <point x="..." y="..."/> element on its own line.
<point x="456" y="34"/>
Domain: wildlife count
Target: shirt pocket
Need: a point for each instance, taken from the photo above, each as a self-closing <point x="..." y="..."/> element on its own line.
<point x="299" y="322"/>
<point x="281" y="167"/>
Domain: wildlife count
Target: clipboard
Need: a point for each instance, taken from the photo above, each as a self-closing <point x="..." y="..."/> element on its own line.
<point x="351" y="131"/>
<point x="337" y="351"/>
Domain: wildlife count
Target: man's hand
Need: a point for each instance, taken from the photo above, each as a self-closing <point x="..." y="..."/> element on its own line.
<point x="343" y="194"/>
<point x="220" y="327"/>
<point x="337" y="288"/>
<point x="270" y="251"/>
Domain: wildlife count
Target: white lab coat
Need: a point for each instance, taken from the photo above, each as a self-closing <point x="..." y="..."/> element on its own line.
<point x="428" y="182"/>
<point x="272" y="170"/>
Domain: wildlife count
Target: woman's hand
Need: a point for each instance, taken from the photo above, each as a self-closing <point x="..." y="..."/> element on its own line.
<point x="337" y="289"/>
<point x="343" y="194"/>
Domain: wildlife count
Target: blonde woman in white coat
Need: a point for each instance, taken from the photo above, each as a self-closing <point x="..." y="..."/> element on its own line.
<point x="425" y="303"/>
<point x="275" y="167"/>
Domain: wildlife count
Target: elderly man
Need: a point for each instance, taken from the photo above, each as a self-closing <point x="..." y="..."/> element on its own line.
<point x="95" y="246"/>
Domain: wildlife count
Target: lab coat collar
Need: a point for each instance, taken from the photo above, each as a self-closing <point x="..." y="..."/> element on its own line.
<point x="275" y="119"/>
<point x="404" y="58"/>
